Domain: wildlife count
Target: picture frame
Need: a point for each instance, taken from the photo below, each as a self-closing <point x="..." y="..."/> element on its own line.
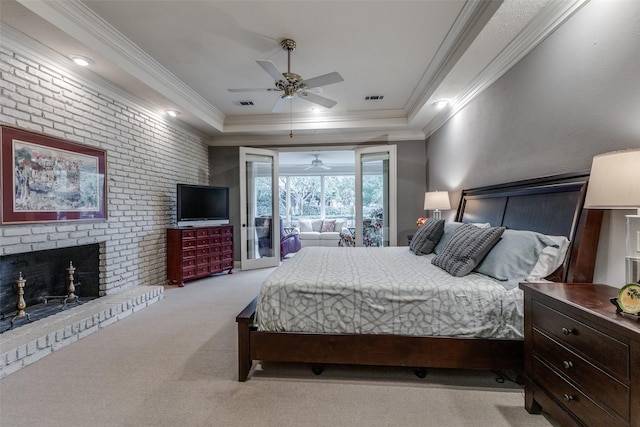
<point x="46" y="179"/>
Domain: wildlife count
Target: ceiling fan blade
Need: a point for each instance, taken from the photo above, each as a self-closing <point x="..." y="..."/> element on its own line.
<point x="323" y="80"/>
<point x="271" y="69"/>
<point x="257" y="89"/>
<point x="317" y="99"/>
<point x="327" y="168"/>
<point x="281" y="105"/>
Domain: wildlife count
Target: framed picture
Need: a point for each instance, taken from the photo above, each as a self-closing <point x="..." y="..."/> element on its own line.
<point x="46" y="179"/>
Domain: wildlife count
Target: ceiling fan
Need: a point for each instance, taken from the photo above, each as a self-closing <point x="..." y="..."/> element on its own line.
<point x="293" y="84"/>
<point x="317" y="163"/>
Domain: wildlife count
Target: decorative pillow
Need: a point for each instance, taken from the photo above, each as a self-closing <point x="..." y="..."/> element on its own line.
<point x="466" y="248"/>
<point x="427" y="237"/>
<point x="316" y="225"/>
<point x="514" y="256"/>
<point x="449" y="229"/>
<point x="327" y="225"/>
<point x="550" y="259"/>
<point x="304" y="225"/>
<point x="340" y="224"/>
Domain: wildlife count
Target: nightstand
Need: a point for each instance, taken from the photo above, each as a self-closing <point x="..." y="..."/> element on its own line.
<point x="582" y="359"/>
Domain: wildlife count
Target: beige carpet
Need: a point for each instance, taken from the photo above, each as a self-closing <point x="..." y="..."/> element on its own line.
<point x="174" y="364"/>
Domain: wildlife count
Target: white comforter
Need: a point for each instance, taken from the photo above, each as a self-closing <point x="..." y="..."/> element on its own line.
<point x="384" y="291"/>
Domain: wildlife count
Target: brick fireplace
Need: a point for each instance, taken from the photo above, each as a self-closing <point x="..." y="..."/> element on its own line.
<point x="46" y="275"/>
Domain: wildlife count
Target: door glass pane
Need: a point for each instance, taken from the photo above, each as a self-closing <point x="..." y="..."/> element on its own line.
<point x="305" y="197"/>
<point x="375" y="199"/>
<point x="260" y="238"/>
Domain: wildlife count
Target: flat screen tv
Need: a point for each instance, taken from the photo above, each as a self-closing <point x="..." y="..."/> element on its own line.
<point x="202" y="204"/>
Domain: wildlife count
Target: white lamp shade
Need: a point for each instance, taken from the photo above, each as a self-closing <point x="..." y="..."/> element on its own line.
<point x="436" y="200"/>
<point x="615" y="181"/>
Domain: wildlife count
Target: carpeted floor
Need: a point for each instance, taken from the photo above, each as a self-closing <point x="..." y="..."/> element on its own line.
<point x="174" y="363"/>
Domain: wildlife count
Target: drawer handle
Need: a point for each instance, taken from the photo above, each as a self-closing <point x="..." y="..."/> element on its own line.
<point x="567" y="331"/>
<point x="567" y="397"/>
<point x="567" y="364"/>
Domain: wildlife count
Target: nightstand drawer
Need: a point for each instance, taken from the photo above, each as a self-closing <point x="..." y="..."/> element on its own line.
<point x="590" y="379"/>
<point x="571" y="398"/>
<point x="607" y="352"/>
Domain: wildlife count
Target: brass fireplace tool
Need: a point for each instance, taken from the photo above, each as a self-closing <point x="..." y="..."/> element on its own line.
<point x="21" y="304"/>
<point x="71" y="288"/>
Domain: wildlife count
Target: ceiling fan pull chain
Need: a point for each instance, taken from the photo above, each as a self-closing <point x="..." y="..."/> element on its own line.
<point x="291" y="113"/>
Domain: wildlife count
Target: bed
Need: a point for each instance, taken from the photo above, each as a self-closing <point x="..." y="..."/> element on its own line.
<point x="549" y="205"/>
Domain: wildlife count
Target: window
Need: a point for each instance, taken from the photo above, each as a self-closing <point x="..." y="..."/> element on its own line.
<point x="312" y="196"/>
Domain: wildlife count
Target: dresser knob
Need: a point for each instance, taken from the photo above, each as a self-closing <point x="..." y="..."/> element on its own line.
<point x="567" y="364"/>
<point x="567" y="397"/>
<point x="567" y="331"/>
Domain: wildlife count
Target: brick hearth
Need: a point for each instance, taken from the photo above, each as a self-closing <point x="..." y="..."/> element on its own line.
<point x="26" y="344"/>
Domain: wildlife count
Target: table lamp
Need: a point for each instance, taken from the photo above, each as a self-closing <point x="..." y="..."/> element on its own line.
<point x="615" y="184"/>
<point x="436" y="200"/>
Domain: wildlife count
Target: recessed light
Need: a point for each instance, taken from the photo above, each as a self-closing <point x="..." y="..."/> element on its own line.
<point x="81" y="60"/>
<point x="441" y="104"/>
<point x="172" y="113"/>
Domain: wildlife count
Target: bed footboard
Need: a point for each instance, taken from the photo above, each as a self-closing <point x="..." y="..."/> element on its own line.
<point x="363" y="349"/>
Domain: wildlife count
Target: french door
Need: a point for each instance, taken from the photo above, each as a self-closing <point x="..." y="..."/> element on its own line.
<point x="376" y="217"/>
<point x="259" y="213"/>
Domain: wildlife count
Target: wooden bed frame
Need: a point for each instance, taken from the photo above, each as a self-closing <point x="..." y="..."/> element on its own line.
<point x="550" y="205"/>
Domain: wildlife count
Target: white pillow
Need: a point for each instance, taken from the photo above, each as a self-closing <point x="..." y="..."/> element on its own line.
<point x="316" y="225"/>
<point x="304" y="225"/>
<point x="340" y="223"/>
<point x="549" y="259"/>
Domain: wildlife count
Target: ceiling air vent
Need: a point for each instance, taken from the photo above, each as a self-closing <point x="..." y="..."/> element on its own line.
<point x="244" y="103"/>
<point x="374" y="97"/>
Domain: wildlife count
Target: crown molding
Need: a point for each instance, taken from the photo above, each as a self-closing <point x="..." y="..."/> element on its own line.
<point x="22" y="44"/>
<point x="374" y="118"/>
<point x="469" y="23"/>
<point x="540" y="27"/>
<point x="324" y="138"/>
<point x="80" y="22"/>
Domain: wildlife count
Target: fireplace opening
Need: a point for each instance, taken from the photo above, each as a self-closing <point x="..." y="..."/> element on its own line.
<point x="46" y="276"/>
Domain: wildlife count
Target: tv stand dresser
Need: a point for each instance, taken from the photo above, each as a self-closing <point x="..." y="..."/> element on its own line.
<point x="582" y="359"/>
<point x="197" y="252"/>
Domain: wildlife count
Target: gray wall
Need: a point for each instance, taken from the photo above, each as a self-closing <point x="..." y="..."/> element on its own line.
<point x="574" y="96"/>
<point x="224" y="170"/>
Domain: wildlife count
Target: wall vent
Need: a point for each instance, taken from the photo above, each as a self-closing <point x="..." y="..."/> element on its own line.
<point x="244" y="103"/>
<point x="374" y="97"/>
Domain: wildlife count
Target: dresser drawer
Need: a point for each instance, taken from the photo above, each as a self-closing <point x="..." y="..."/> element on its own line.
<point x="202" y="270"/>
<point x="188" y="243"/>
<point x="591" y="380"/>
<point x="571" y="398"/>
<point x="189" y="253"/>
<point x="189" y="234"/>
<point x="188" y="263"/>
<point x="202" y="232"/>
<point x="189" y="273"/>
<point x="607" y="352"/>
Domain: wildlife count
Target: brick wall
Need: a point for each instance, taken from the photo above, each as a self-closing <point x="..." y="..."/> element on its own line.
<point x="146" y="157"/>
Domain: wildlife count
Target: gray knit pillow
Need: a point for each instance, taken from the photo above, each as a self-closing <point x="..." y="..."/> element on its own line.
<point x="468" y="245"/>
<point x="427" y="237"/>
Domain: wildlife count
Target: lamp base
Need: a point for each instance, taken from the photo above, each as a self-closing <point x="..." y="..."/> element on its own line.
<point x="632" y="267"/>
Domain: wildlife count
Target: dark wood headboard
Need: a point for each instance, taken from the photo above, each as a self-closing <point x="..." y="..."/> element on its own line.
<point x="550" y="205"/>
